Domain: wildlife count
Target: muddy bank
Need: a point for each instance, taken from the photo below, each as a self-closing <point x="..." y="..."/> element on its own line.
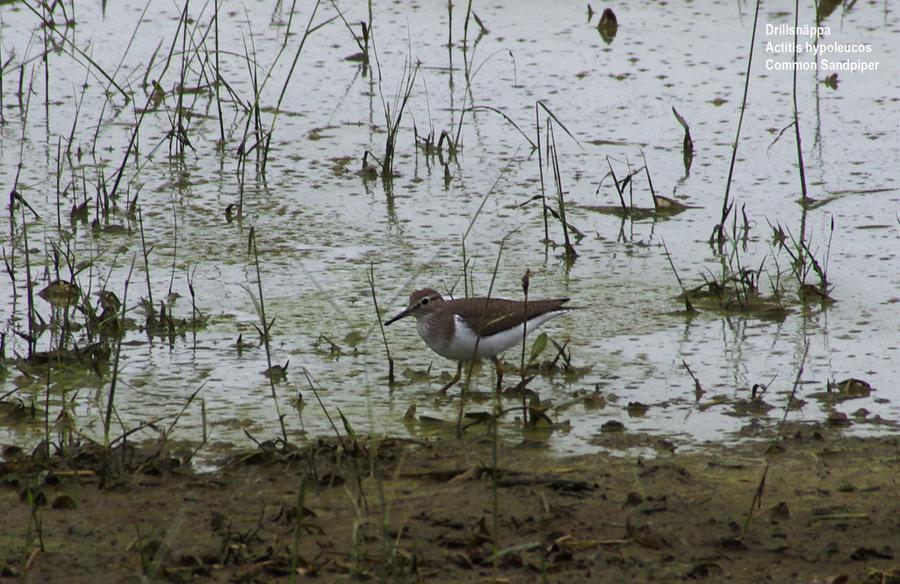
<point x="433" y="511"/>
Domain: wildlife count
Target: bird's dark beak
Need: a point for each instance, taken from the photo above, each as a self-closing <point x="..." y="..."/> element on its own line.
<point x="403" y="314"/>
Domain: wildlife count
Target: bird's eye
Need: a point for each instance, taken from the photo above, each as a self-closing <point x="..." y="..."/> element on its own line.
<point x="424" y="301"/>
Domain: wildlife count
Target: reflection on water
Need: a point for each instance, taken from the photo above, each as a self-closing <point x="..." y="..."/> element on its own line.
<point x="296" y="125"/>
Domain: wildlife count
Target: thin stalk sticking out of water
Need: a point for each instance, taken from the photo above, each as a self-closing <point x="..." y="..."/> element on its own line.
<point x="58" y="179"/>
<point x="196" y="316"/>
<point x="362" y="44"/>
<point x="656" y="200"/>
<point x="687" y="145"/>
<point x="178" y="132"/>
<point x="698" y="388"/>
<point x="47" y="415"/>
<point x="466" y="25"/>
<point x="537" y="131"/>
<point x="309" y="30"/>
<point x="146" y="254"/>
<point x="796" y="112"/>
<point x="47" y="25"/>
<point x="539" y="105"/>
<point x="718" y="234"/>
<point x="174" y="243"/>
<point x="265" y="333"/>
<point x="218" y="80"/>
<point x="32" y="341"/>
<point x="570" y="254"/>
<point x="620" y="187"/>
<point x="449" y="23"/>
<point x="394" y="115"/>
<point x="387" y="349"/>
<point x="526" y="282"/>
<point x="687" y="299"/>
<point x="477" y="108"/>
<point x="164" y="438"/>
<point x="132" y="142"/>
<point x="110" y="399"/>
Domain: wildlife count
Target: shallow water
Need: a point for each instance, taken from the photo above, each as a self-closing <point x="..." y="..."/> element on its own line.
<point x="320" y="225"/>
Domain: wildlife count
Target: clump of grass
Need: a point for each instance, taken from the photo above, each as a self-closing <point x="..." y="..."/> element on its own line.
<point x="804" y="264"/>
<point x="393" y="115"/>
<point x="736" y="289"/>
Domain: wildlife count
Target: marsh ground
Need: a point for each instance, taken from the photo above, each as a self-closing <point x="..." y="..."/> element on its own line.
<point x="402" y="510"/>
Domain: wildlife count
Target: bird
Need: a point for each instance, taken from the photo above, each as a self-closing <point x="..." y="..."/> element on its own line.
<point x="470" y="329"/>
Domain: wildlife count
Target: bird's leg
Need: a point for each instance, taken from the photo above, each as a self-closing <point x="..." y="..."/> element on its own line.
<point x="455" y="379"/>
<point x="499" y="372"/>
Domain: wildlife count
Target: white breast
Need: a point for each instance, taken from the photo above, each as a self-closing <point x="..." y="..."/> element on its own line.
<point x="461" y="346"/>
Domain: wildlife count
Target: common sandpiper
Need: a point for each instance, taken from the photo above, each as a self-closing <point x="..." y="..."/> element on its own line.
<point x="469" y="329"/>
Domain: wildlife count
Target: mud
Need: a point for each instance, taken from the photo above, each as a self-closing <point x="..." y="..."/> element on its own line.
<point x="434" y="511"/>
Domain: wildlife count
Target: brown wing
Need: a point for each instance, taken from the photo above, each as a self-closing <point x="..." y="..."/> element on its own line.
<point x="502" y="314"/>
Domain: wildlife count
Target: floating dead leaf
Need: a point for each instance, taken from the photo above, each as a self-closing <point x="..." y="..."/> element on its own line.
<point x="480" y="417"/>
<point x="433" y="422"/>
<point x="277" y="372"/>
<point x="850" y="388"/>
<point x="753" y="407"/>
<point x="836" y="418"/>
<point x="613" y="426"/>
<point x="60" y="293"/>
<point x="637" y="409"/>
<point x="715" y="400"/>
<point x="109" y="301"/>
<point x="354" y="338"/>
<point x="608" y="25"/>
<point x="594" y="400"/>
<point x="668" y="204"/>
<point x="417" y="375"/>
